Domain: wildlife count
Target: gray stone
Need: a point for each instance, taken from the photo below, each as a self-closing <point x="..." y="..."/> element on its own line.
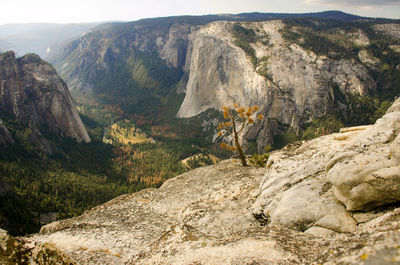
<point x="370" y="175"/>
<point x="307" y="184"/>
<point x="32" y="92"/>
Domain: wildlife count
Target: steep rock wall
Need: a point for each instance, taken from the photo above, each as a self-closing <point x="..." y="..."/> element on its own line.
<point x="290" y="84"/>
<point x="219" y="73"/>
<point x="86" y="61"/>
<point x="32" y="93"/>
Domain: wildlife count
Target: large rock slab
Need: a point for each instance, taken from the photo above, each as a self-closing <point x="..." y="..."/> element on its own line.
<point x="314" y="185"/>
<point x="16" y="251"/>
<point x="200" y="217"/>
<point x="368" y="174"/>
<point x="203" y="217"/>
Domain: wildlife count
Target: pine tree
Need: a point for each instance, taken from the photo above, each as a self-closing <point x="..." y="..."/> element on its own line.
<point x="237" y="116"/>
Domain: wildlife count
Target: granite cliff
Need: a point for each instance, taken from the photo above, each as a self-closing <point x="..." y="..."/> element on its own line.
<point x="300" y="209"/>
<point x="33" y="96"/>
<point x="291" y="84"/>
<point x="295" y="70"/>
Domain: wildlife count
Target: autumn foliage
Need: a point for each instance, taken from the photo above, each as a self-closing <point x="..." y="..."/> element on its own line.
<point x="236" y="119"/>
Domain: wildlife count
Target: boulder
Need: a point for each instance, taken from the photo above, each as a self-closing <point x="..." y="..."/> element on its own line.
<point x="369" y="175"/>
<point x="315" y="184"/>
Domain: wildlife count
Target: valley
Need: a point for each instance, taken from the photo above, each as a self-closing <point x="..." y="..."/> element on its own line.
<point x="144" y="99"/>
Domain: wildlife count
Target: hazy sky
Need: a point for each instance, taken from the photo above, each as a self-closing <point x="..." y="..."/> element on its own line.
<point x="67" y="11"/>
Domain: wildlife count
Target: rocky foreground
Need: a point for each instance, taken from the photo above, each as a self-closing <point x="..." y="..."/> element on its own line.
<point x="332" y="200"/>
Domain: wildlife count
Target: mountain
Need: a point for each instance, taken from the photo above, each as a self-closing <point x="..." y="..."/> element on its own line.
<point x="32" y="95"/>
<point x="331" y="200"/>
<point x="308" y="73"/>
<point x="44" y="38"/>
<point x="39" y="38"/>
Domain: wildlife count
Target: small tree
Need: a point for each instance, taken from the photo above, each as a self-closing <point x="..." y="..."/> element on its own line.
<point x="237" y="116"/>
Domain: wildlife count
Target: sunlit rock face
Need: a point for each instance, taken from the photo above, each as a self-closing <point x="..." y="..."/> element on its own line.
<point x="291" y="85"/>
<point x="221" y="73"/>
<point x="32" y="93"/>
<point x="319" y="185"/>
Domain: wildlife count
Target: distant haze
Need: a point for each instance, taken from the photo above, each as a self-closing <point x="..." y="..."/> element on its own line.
<point x="38" y="38"/>
<point x="78" y="11"/>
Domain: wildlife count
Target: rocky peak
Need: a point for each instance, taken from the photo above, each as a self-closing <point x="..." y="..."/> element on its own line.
<point x="30" y="58"/>
<point x="32" y="93"/>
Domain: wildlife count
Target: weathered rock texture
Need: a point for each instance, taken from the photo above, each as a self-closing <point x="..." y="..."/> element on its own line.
<point x="203" y="211"/>
<point x="392" y="30"/>
<point x="32" y="93"/>
<point x="15" y="251"/>
<point x="229" y="214"/>
<point x="317" y="185"/>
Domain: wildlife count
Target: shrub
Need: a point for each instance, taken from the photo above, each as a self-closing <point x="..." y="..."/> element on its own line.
<point x="260" y="160"/>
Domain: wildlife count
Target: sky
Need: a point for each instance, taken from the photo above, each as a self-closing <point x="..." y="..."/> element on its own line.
<point x="77" y="11"/>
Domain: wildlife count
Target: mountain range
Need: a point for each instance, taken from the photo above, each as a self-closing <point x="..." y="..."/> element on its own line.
<point x="300" y="70"/>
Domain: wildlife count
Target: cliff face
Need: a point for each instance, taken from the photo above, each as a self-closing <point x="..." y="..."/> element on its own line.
<point x="84" y="63"/>
<point x="219" y="72"/>
<point x="301" y="209"/>
<point x="293" y="72"/>
<point x="292" y="85"/>
<point x="32" y="93"/>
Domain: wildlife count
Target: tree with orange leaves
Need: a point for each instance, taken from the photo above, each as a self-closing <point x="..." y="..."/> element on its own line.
<point x="237" y="116"/>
